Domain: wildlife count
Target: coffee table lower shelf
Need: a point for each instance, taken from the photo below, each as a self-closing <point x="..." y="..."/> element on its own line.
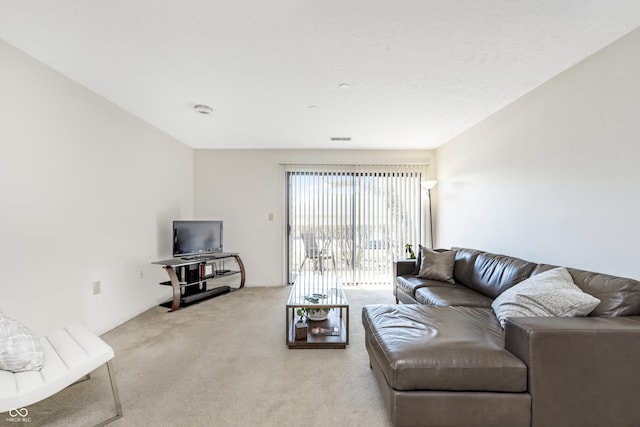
<point x="312" y="340"/>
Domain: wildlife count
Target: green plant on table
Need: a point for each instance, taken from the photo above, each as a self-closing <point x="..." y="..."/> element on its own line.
<point x="408" y="249"/>
<point x="310" y="312"/>
<point x="304" y="313"/>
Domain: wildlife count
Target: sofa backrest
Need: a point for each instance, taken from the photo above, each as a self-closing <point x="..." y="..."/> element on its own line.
<point x="463" y="267"/>
<point x="493" y="274"/>
<point x="619" y="296"/>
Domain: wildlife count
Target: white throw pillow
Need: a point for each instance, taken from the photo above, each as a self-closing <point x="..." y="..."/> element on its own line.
<point x="548" y="294"/>
<point x="20" y="349"/>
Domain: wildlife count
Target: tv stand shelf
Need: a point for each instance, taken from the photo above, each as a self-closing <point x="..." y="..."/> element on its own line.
<point x="189" y="277"/>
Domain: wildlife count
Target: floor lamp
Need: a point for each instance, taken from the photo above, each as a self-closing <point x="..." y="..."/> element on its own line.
<point x="428" y="185"/>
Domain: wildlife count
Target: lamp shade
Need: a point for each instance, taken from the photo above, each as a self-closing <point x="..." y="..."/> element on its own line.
<point x="428" y="185"/>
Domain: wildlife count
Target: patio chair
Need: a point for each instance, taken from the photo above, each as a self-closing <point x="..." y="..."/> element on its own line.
<point x="315" y="252"/>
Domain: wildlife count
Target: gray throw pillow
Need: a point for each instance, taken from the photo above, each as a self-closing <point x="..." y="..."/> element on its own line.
<point x="437" y="265"/>
<point x="20" y="349"/>
<point x="548" y="294"/>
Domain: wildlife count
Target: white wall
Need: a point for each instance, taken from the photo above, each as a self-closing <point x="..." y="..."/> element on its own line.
<point x="87" y="193"/>
<point x="555" y="176"/>
<point x="242" y="187"/>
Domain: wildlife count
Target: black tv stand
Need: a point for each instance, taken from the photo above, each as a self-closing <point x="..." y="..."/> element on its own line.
<point x="198" y="258"/>
<point x="196" y="297"/>
<point x="188" y="278"/>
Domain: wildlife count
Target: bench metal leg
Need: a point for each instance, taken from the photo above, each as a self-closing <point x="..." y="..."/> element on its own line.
<point x="116" y="396"/>
<point x="83" y="379"/>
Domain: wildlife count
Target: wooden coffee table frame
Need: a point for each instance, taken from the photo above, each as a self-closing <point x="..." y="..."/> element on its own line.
<point x="339" y="315"/>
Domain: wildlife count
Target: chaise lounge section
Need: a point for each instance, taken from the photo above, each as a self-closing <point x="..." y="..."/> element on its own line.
<point x="455" y="354"/>
<point x="70" y="355"/>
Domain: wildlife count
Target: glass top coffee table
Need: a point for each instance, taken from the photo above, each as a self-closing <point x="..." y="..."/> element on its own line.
<point x="322" y="301"/>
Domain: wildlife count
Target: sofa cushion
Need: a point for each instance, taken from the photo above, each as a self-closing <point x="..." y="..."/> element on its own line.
<point x="619" y="296"/>
<point x="451" y="295"/>
<point x="548" y="294"/>
<point x="436" y="265"/>
<point x="493" y="274"/>
<point x="465" y="260"/>
<point x="409" y="284"/>
<point x="441" y="348"/>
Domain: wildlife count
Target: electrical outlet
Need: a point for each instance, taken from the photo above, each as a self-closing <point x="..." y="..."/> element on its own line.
<point x="141" y="274"/>
<point x="270" y="217"/>
<point x="96" y="287"/>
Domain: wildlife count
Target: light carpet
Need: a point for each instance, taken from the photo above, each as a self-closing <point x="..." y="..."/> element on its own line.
<point x="224" y="362"/>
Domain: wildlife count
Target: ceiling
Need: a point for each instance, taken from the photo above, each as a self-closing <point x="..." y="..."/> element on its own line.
<point x="419" y="71"/>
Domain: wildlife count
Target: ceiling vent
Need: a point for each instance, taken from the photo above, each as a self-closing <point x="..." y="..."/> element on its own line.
<point x="203" y="110"/>
<point x="340" y="138"/>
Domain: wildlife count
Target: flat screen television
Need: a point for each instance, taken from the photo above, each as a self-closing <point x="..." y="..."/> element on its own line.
<point x="196" y="238"/>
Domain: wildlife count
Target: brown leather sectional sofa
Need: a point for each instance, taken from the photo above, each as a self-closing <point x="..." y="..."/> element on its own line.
<point x="443" y="359"/>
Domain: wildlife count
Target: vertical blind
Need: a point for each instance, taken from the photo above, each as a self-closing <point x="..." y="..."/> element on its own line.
<point x="352" y="220"/>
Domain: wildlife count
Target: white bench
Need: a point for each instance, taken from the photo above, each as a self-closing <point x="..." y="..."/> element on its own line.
<point x="71" y="354"/>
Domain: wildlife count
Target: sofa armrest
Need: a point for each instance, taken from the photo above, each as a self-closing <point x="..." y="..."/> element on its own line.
<point x="581" y="371"/>
<point x="403" y="267"/>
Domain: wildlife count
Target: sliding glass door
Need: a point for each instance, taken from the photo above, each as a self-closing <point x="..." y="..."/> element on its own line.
<point x="351" y="220"/>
